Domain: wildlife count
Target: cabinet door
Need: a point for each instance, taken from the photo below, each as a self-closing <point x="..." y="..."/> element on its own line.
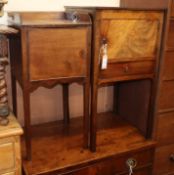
<point x="58" y="52"/>
<point x="132" y="40"/>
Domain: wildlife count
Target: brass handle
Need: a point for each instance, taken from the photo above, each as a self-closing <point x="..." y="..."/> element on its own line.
<point x="172" y="157"/>
<point x="131" y="162"/>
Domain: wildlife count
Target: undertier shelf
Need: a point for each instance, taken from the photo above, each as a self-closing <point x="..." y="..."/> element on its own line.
<point x="58" y="147"/>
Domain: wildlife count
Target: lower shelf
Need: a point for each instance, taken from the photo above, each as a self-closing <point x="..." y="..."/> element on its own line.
<point x="58" y="148"/>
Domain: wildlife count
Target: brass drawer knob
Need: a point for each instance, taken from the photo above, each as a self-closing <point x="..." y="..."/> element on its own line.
<point x="131" y="162"/>
<point x="172" y="157"/>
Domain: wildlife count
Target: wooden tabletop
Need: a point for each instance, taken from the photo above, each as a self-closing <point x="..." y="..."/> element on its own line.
<point x="13" y="128"/>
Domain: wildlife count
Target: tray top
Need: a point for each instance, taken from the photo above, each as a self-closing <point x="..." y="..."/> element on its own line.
<point x="47" y="19"/>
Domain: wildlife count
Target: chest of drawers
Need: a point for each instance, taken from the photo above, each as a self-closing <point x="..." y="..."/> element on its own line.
<point x="10" y="149"/>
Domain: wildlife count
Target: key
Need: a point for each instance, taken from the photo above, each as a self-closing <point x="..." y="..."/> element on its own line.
<point x="130" y="170"/>
<point x="104" y="62"/>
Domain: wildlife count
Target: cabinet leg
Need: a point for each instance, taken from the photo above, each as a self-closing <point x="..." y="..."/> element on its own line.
<point x="66" y="103"/>
<point x="27" y="122"/>
<point x="14" y="95"/>
<point x="86" y="95"/>
<point x="93" y="118"/>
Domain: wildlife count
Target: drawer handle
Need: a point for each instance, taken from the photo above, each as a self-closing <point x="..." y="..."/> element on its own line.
<point x="131" y="163"/>
<point x="172" y="157"/>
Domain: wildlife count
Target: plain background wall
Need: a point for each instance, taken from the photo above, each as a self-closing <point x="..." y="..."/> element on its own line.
<point x="46" y="105"/>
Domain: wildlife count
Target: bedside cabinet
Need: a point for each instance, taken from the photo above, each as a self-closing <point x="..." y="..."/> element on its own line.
<point x="50" y="49"/>
<point x="10" y="152"/>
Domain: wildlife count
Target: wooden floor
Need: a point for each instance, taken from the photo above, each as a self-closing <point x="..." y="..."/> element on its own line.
<point x="57" y="147"/>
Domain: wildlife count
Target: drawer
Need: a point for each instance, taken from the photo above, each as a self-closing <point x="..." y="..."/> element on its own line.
<point x="128" y="69"/>
<point x="166" y="95"/>
<point x="170" y="41"/>
<point x="172" y="9"/>
<point x="165" y="128"/>
<point x="168" y="69"/>
<point x="10" y="159"/>
<point x="58" y="52"/>
<point x="146" y="171"/>
<point x="91" y="171"/>
<point x="7" y="156"/>
<point x="163" y="162"/>
<point x="131" y="36"/>
<point x="115" y="165"/>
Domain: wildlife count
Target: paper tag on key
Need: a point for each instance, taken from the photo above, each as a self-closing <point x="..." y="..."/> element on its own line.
<point x="104" y="63"/>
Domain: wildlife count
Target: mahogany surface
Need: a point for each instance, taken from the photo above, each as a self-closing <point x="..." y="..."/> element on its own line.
<point x="55" y="148"/>
<point x="164" y="164"/>
<point x="129" y="61"/>
<point x="113" y="139"/>
<point x="50" y="49"/>
<point x="133" y="40"/>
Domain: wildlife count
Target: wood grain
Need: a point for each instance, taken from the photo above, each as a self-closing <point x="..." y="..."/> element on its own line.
<point x="164" y="102"/>
<point x="170" y="42"/>
<point x="130" y="69"/>
<point x="67" y="47"/>
<point x="163" y="164"/>
<point x="136" y="4"/>
<point x="115" y="138"/>
<point x="164" y="133"/>
<point x="49" y="50"/>
<point x="168" y="71"/>
<point x="130" y="40"/>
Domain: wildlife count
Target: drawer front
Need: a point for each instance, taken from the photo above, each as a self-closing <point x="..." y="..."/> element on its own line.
<point x="166" y="95"/>
<point x="168" y="70"/>
<point x="118" y="165"/>
<point x="146" y="171"/>
<point x="58" y="52"/>
<point x="10" y="158"/>
<point x="131" y="36"/>
<point x="170" y="42"/>
<point x="165" y="128"/>
<point x="128" y="69"/>
<point x="172" y="9"/>
<point x="91" y="171"/>
<point x="163" y="162"/>
<point x="7" y="156"/>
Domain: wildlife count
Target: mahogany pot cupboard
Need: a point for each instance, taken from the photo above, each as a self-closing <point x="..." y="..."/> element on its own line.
<point x="50" y="49"/>
<point x="101" y="46"/>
